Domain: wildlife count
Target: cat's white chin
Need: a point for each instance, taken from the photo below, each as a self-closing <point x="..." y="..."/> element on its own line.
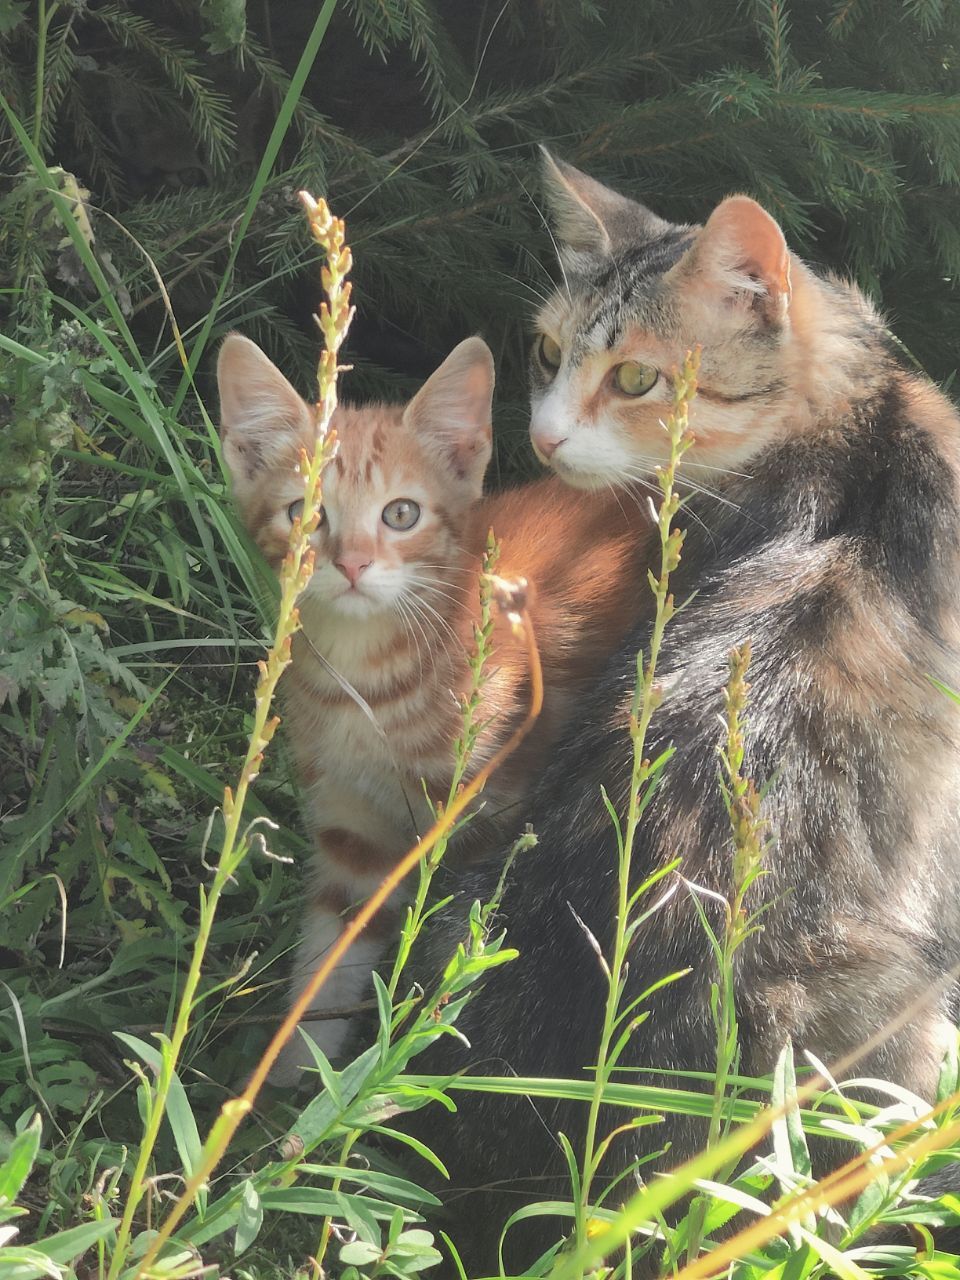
<point x="358" y="604"/>
<point x="589" y="480"/>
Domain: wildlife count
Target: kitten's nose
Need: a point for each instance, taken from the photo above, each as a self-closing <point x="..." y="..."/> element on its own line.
<point x="352" y="564"/>
<point x="545" y="446"/>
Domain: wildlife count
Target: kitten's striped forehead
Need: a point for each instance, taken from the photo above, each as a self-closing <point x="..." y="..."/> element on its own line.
<point x="373" y="441"/>
<point x="606" y="296"/>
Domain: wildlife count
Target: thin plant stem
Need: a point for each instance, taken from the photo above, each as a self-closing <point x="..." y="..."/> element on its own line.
<point x="270" y="152"/>
<point x="742" y="800"/>
<point x="233" y="1112"/>
<point x="646" y="699"/>
<point x="471" y="710"/>
<point x="45" y="16"/>
<point x="490" y="587"/>
<point x="334" y="321"/>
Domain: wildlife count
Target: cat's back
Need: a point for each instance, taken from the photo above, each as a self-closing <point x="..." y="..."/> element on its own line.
<point x="581" y="553"/>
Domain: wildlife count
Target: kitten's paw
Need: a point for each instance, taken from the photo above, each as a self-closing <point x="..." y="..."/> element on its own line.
<point x="295" y="1056"/>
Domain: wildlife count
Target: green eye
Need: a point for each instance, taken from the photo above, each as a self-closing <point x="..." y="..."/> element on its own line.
<point x="635" y="379"/>
<point x="549" y="352"/>
<point x="402" y="514"/>
<point x="295" y="512"/>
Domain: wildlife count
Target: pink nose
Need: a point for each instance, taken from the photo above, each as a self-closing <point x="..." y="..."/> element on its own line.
<point x="352" y="564"/>
<point x="546" y="446"/>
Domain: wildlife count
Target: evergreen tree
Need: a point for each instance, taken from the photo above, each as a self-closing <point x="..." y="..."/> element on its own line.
<point x="420" y="120"/>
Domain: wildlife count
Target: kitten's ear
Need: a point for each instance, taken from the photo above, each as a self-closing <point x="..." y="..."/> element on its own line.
<point x="592" y="218"/>
<point x="452" y="412"/>
<point x="262" y="419"/>
<point x="741" y="252"/>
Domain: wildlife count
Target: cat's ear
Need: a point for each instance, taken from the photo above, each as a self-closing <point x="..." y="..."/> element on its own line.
<point x="262" y="419"/>
<point x="592" y="218"/>
<point x="452" y="412"/>
<point x="741" y="252"/>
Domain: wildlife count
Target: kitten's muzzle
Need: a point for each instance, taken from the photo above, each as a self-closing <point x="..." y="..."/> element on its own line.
<point x="352" y="564"/>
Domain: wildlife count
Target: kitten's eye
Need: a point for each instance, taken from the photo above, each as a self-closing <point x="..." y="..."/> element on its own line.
<point x="635" y="379"/>
<point x="401" y="513"/>
<point x="295" y="512"/>
<point x="549" y="352"/>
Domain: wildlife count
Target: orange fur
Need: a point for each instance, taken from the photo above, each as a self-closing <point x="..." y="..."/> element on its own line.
<point x="390" y="645"/>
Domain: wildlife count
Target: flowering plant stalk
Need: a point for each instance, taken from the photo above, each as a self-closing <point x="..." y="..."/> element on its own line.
<point x="334" y="320"/>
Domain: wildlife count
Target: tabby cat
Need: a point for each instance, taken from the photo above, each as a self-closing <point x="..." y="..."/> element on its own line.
<point x="824" y="526"/>
<point x="370" y="701"/>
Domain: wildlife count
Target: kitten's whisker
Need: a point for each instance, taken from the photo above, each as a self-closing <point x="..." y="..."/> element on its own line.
<point x="415" y="618"/>
<point x="440" y="618"/>
<point x="423" y="611"/>
<point x="437" y="588"/>
<point x="442" y="581"/>
<point x="405" y="618"/>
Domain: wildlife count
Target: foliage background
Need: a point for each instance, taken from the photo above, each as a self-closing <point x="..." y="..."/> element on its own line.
<point x="131" y="606"/>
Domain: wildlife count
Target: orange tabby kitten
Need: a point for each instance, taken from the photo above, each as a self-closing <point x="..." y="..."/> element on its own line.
<point x="371" y="699"/>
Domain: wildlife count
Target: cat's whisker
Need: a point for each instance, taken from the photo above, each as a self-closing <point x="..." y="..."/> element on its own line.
<point x="725" y="471"/>
<point x="652" y="490"/>
<point x="612" y="490"/>
<point x="544" y="298"/>
<point x="553" y="240"/>
<point x="532" y="257"/>
<point x="694" y="485"/>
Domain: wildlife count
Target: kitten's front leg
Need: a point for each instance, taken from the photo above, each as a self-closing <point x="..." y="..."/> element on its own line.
<point x="334" y="899"/>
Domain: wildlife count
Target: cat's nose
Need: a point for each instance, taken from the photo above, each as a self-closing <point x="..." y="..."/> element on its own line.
<point x="545" y="446"/>
<point x="352" y="564"/>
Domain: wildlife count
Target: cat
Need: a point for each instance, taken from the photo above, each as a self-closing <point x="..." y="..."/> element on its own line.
<point x="389" y="614"/>
<point x="823" y="525"/>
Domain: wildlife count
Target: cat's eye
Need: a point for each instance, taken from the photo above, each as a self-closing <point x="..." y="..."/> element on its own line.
<point x="295" y="512"/>
<point x="549" y="352"/>
<point x="402" y="514"/>
<point x="635" y="379"/>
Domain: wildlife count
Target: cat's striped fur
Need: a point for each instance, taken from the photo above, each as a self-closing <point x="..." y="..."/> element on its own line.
<point x="370" y="701"/>
<point x="824" y="526"/>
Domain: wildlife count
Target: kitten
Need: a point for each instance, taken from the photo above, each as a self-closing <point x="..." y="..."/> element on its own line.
<point x="824" y="526"/>
<point x="388" y="614"/>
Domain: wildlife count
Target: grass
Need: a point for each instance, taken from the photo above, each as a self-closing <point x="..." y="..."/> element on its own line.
<point x="145" y="924"/>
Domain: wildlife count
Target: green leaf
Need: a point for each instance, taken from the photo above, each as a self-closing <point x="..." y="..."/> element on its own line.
<point x="359" y="1253"/>
<point x="844" y="1267"/>
<point x="385" y="1011"/>
<point x="179" y="1114"/>
<point x="789" y="1142"/>
<point x="251" y="1219"/>
<point x="389" y="1185"/>
<point x="65" y="1246"/>
<point x="16" y="1168"/>
<point x="322" y="1112"/>
<point x="227" y="23"/>
<point x="24" y="1263"/>
<point x="12" y="13"/>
